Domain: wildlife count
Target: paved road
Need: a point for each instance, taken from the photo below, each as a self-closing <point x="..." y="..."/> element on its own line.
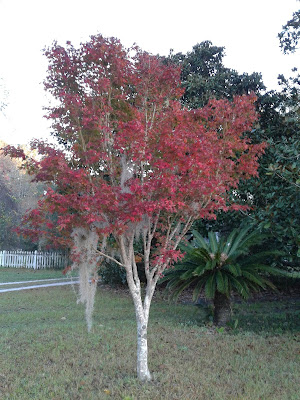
<point x="59" y="282"/>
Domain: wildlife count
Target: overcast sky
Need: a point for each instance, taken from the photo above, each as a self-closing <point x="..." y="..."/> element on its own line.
<point x="247" y="29"/>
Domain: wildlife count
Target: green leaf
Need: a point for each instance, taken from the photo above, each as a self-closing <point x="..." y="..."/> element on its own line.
<point x="200" y="254"/>
<point x="240" y="286"/>
<point x="200" y="270"/>
<point x="198" y="288"/>
<point x="213" y="241"/>
<point x="199" y="240"/>
<point x="186" y="275"/>
<point x="229" y="241"/>
<point x="177" y="290"/>
<point x="220" y="282"/>
<point x="227" y="286"/>
<point x="238" y="241"/>
<point x="210" y="286"/>
<point x="258" y="280"/>
<point x="234" y="269"/>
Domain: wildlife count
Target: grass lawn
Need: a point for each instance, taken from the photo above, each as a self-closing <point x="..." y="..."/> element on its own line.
<point x="28" y="274"/>
<point x="46" y="352"/>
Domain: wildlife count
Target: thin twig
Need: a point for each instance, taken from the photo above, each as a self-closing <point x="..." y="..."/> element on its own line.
<point x="110" y="258"/>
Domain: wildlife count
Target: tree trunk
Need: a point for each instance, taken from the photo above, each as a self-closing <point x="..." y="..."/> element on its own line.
<point x="222" y="309"/>
<point x="143" y="372"/>
<point x="142" y="309"/>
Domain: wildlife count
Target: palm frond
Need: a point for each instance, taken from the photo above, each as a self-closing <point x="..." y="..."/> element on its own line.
<point x="213" y="243"/>
<point x="200" y="270"/>
<point x="210" y="286"/>
<point x="229" y="241"/>
<point x="262" y="255"/>
<point x="239" y="253"/>
<point x="175" y="272"/>
<point x="187" y="275"/>
<point x="199" y="254"/>
<point x="220" y="282"/>
<point x="227" y="285"/>
<point x="239" y="286"/>
<point x="177" y="290"/>
<point x="270" y="284"/>
<point x="237" y="241"/>
<point x="234" y="269"/>
<point x="200" y="241"/>
<point x="252" y="239"/>
<point x="262" y="268"/>
<point x="198" y="288"/>
<point x="254" y="279"/>
<point x="186" y="247"/>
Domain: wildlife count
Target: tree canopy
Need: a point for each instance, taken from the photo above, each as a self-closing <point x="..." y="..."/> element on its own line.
<point x="205" y="77"/>
<point x="290" y="34"/>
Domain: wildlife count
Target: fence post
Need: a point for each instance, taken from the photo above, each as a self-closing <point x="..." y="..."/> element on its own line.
<point x="34" y="259"/>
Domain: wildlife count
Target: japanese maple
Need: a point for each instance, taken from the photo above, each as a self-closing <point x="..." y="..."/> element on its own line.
<point x="133" y="164"/>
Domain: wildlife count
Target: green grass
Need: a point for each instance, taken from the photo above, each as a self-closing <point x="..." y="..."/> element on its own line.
<point x="26" y="274"/>
<point x="46" y="352"/>
<point x="275" y="317"/>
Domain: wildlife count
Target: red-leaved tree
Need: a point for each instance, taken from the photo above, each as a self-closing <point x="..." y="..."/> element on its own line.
<point x="133" y="165"/>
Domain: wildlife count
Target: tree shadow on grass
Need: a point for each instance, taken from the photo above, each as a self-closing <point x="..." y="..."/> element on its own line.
<point x="268" y="317"/>
<point x="276" y="317"/>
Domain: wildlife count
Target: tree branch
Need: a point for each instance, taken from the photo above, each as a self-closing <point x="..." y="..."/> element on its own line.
<point x="110" y="258"/>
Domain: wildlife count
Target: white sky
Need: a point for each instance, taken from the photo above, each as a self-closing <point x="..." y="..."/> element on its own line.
<point x="247" y="29"/>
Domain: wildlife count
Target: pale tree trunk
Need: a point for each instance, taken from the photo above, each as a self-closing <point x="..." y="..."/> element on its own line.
<point x="143" y="372"/>
<point x="142" y="306"/>
<point x="142" y="309"/>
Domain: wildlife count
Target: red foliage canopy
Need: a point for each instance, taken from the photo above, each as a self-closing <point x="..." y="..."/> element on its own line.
<point x="128" y="147"/>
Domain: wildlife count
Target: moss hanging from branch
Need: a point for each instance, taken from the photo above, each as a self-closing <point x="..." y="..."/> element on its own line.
<point x="85" y="260"/>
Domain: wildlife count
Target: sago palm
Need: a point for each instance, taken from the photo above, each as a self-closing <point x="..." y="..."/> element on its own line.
<point x="221" y="267"/>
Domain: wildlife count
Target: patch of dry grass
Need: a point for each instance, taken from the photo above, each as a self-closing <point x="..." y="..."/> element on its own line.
<point x="46" y="352"/>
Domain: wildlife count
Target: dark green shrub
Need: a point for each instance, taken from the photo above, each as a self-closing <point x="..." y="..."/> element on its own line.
<point x="112" y="274"/>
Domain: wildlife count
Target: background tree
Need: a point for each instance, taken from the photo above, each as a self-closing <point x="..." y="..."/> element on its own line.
<point x="135" y="165"/>
<point x="204" y="76"/>
<point x="8" y="211"/>
<point x="274" y="195"/>
<point x="290" y="34"/>
<point x="18" y="194"/>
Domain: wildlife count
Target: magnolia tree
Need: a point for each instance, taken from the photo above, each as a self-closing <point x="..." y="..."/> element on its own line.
<point x="133" y="165"/>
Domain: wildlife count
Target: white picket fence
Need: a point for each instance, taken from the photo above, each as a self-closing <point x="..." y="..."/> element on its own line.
<point x="32" y="259"/>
